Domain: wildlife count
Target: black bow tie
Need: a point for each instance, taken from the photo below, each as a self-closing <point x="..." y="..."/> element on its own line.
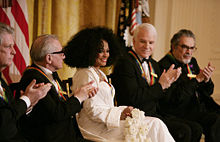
<point x="55" y="75"/>
<point x="145" y="60"/>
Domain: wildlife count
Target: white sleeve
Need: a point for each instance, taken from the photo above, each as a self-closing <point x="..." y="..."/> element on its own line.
<point x="96" y="107"/>
<point x="26" y="100"/>
<point x="110" y="116"/>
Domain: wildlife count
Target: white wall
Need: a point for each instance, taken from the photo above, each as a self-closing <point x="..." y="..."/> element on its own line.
<point x="200" y="16"/>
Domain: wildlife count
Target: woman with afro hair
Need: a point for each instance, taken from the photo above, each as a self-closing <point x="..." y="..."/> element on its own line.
<point x="99" y="120"/>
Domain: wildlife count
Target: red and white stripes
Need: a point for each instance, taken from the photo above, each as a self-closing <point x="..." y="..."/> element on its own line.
<point x="17" y="17"/>
<point x="133" y="21"/>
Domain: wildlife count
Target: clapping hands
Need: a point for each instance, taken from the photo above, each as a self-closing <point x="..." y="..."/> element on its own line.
<point x="169" y="76"/>
<point x="35" y="92"/>
<point x="86" y="91"/>
<point x="206" y="73"/>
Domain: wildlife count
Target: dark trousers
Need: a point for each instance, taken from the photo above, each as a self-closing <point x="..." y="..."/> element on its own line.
<point x="210" y="123"/>
<point x="184" y="130"/>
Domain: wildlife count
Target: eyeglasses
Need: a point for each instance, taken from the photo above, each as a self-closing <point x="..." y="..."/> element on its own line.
<point x="58" y="52"/>
<point x="185" y="47"/>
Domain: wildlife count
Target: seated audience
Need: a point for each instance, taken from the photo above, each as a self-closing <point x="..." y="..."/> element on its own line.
<point x="189" y="97"/>
<point x="138" y="82"/>
<point x="100" y="120"/>
<point x="10" y="109"/>
<point x="53" y="118"/>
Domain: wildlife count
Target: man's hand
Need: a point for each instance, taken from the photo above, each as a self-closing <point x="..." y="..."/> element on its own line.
<point x="208" y="71"/>
<point x="126" y="112"/>
<point x="200" y="77"/>
<point x="35" y="92"/>
<point x="86" y="91"/>
<point x="169" y="76"/>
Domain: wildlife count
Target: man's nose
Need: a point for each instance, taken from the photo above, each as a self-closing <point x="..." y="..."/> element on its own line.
<point x="13" y="50"/>
<point x="146" y="45"/>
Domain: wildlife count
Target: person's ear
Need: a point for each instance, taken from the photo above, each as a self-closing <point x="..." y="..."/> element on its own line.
<point x="48" y="58"/>
<point x="173" y="47"/>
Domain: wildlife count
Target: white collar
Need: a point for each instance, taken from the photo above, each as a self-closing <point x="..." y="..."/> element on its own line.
<point x="46" y="71"/>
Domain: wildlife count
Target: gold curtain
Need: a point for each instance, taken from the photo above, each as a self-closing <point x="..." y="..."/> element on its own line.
<point x="65" y="18"/>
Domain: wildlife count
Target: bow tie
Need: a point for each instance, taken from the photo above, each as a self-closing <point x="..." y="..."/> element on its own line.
<point x="145" y="60"/>
<point x="55" y="75"/>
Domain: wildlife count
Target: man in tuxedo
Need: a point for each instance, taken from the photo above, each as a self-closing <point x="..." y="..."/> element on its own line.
<point x="190" y="96"/>
<point x="139" y="83"/>
<point x="10" y="109"/>
<point x="53" y="118"/>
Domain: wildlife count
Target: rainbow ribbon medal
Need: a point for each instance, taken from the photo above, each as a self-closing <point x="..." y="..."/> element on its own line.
<point x="153" y="75"/>
<point x="190" y="75"/>
<point x="60" y="91"/>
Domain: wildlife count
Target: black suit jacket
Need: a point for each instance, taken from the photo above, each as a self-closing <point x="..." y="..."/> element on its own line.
<point x="9" y="114"/>
<point x="133" y="90"/>
<point x="186" y="95"/>
<point x="51" y="120"/>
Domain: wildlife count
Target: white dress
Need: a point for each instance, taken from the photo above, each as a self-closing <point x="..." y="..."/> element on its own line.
<point x="99" y="119"/>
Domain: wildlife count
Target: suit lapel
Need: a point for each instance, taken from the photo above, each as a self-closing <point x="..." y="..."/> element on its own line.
<point x="45" y="78"/>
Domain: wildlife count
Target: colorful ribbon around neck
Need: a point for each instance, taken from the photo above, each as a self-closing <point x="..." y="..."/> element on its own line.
<point x="3" y="95"/>
<point x="153" y="75"/>
<point x="189" y="74"/>
<point x="60" y="91"/>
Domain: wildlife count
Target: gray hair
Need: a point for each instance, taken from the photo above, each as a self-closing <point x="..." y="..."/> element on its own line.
<point x="176" y="37"/>
<point x="4" y="28"/>
<point x="146" y="26"/>
<point x="41" y="47"/>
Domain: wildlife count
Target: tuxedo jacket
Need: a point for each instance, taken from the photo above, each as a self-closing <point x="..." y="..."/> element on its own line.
<point x="10" y="112"/>
<point x="132" y="89"/>
<point x="51" y="119"/>
<point x="186" y="95"/>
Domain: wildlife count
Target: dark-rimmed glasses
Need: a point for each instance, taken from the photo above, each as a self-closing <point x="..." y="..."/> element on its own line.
<point x="58" y="52"/>
<point x="185" y="47"/>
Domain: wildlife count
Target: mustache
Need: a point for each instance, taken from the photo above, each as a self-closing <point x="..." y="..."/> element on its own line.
<point x="187" y="54"/>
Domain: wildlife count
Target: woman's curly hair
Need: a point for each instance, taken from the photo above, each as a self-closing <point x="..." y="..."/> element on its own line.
<point x="82" y="50"/>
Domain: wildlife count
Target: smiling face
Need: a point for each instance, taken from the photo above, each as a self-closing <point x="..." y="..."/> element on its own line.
<point x="102" y="56"/>
<point x="184" y="55"/>
<point x="144" y="42"/>
<point x="7" y="50"/>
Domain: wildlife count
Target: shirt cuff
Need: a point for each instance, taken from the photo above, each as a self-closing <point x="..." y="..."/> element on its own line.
<point x="26" y="100"/>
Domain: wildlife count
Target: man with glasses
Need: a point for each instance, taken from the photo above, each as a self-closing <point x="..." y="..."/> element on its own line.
<point x="139" y="83"/>
<point x="189" y="97"/>
<point x="53" y="118"/>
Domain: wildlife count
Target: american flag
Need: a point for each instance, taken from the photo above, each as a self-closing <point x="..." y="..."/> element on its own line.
<point x="15" y="14"/>
<point x="132" y="13"/>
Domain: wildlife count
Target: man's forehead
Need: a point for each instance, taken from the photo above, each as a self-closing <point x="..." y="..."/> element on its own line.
<point x="7" y="38"/>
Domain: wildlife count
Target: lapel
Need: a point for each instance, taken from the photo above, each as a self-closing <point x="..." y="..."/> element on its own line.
<point x="135" y="61"/>
<point x="44" y="78"/>
<point x="7" y="90"/>
<point x="53" y="90"/>
<point x="151" y="66"/>
<point x="142" y="81"/>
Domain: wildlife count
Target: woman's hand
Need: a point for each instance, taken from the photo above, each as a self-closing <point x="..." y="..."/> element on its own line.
<point x="126" y="112"/>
